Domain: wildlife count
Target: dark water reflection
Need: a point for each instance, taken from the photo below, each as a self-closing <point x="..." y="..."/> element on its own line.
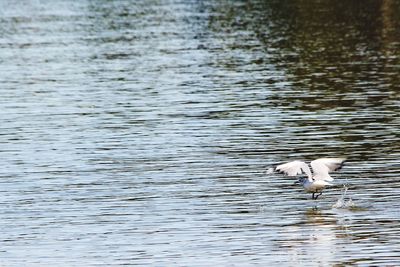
<point x="138" y="133"/>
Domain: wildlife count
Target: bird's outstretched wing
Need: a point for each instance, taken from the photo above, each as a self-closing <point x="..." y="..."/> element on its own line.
<point x="294" y="168"/>
<point x="321" y="167"/>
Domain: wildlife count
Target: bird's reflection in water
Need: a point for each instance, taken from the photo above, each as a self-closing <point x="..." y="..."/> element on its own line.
<point x="316" y="238"/>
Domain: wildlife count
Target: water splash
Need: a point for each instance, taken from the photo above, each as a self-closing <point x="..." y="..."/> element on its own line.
<point x="342" y="202"/>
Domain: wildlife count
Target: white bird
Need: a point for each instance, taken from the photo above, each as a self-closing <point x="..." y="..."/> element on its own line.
<point x="317" y="174"/>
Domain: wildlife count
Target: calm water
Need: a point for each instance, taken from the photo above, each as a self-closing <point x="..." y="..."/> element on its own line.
<point x="139" y="132"/>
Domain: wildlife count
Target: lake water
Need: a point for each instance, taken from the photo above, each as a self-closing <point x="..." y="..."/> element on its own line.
<point x="139" y="132"/>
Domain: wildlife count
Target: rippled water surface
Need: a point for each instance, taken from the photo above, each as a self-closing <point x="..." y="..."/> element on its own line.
<point x="139" y="132"/>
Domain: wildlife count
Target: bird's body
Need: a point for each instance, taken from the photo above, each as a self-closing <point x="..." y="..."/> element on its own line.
<point x="317" y="173"/>
<point x="314" y="186"/>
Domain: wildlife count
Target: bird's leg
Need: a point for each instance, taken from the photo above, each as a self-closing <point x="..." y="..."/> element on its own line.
<point x="320" y="193"/>
<point x="314" y="196"/>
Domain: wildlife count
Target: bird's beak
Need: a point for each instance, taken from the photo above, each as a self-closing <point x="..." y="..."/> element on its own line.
<point x="297" y="182"/>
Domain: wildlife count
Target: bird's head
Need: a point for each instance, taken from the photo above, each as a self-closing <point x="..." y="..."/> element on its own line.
<point x="301" y="180"/>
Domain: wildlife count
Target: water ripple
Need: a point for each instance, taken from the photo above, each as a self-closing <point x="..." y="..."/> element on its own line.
<point x="140" y="133"/>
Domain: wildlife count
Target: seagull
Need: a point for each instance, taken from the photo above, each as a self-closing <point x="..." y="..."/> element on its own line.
<point x="317" y="173"/>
